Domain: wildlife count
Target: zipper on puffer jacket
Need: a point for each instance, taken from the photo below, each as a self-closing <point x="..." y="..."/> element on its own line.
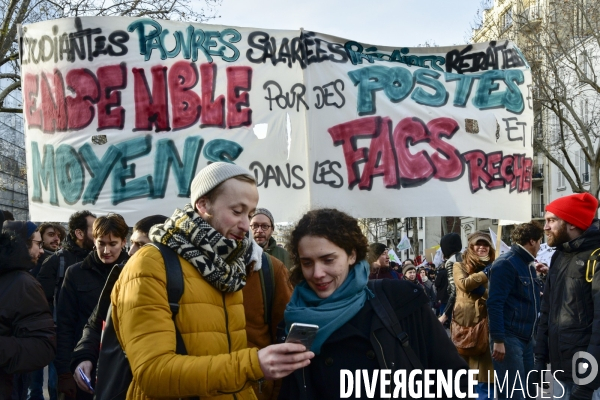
<point x="228" y="343"/>
<point x="226" y="323"/>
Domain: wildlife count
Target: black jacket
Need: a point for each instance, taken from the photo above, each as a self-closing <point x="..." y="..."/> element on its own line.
<point x="88" y="347"/>
<point x="47" y="276"/>
<point x="571" y="296"/>
<point x="79" y="295"/>
<point x="513" y="300"/>
<point x="364" y="343"/>
<point x="441" y="285"/>
<point x="27" y="335"/>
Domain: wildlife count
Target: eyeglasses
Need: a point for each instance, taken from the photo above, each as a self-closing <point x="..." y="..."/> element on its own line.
<point x="38" y="242"/>
<point x="264" y="227"/>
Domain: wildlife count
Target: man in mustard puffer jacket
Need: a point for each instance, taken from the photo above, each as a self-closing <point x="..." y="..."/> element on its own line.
<point x="211" y="238"/>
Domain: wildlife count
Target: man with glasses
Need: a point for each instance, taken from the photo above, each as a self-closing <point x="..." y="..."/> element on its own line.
<point x="262" y="226"/>
<point x="266" y="294"/>
<point x="27" y="336"/>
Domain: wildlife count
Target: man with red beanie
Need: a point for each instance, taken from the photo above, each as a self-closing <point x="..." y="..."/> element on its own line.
<point x="568" y="323"/>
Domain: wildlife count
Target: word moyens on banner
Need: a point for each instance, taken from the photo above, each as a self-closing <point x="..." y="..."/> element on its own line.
<point x="47" y="107"/>
<point x="389" y="155"/>
<point x="63" y="168"/>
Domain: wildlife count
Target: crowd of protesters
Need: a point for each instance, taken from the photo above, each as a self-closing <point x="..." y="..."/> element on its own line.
<point x="70" y="297"/>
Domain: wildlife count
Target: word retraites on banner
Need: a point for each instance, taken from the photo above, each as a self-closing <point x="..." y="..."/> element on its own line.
<point x="124" y="111"/>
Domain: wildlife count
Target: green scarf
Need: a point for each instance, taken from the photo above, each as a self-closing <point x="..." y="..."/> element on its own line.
<point x="332" y="312"/>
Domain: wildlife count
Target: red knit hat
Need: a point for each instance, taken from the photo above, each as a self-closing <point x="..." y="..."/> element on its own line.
<point x="576" y="209"/>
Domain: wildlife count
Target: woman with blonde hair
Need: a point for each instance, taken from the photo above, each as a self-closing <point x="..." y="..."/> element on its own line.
<point x="470" y="319"/>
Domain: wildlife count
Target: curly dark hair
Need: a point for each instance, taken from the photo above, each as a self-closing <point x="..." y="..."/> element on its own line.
<point x="331" y="224"/>
<point x="78" y="220"/>
<point x="523" y="233"/>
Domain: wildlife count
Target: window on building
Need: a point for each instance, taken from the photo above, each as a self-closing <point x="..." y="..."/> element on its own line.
<point x="506" y="19"/>
<point x="583" y="63"/>
<point x="584" y="168"/>
<point x="561" y="178"/>
<point x="420" y="222"/>
<point x="421" y="249"/>
<point x="584" y="106"/>
<point x="581" y="25"/>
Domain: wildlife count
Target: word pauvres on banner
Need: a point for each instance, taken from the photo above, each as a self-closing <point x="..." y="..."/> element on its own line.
<point x="169" y="103"/>
<point x="389" y="156"/>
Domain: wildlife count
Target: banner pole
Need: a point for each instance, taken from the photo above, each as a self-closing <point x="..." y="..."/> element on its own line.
<point x="498" y="240"/>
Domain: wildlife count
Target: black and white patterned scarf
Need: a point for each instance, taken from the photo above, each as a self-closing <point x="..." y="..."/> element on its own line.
<point x="221" y="261"/>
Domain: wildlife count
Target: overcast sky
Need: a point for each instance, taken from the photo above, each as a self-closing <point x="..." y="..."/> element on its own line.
<point x="391" y="22"/>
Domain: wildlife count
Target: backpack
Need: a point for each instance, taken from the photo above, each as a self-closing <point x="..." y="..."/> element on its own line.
<point x="114" y="376"/>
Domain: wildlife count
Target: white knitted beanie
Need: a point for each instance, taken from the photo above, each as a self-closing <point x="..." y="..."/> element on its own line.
<point x="212" y="175"/>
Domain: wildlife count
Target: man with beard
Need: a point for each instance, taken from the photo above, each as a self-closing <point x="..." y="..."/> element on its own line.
<point x="570" y="312"/>
<point x="52" y="234"/>
<point x="266" y="294"/>
<point x="77" y="246"/>
<point x="263" y="226"/>
<point x="513" y="306"/>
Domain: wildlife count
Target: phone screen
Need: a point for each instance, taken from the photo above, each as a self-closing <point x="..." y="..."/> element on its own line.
<point x="302" y="333"/>
<point x="85" y="379"/>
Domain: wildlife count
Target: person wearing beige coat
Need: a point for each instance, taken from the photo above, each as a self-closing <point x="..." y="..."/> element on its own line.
<point x="471" y="294"/>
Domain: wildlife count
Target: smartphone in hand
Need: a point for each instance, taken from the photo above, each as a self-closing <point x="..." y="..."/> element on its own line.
<point x="302" y="333"/>
<point x="85" y="379"/>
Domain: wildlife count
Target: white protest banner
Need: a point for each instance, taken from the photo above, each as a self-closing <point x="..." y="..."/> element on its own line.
<point x="438" y="258"/>
<point x="404" y="244"/>
<point x="503" y="246"/>
<point x="394" y="257"/>
<point x="545" y="253"/>
<point x="120" y="113"/>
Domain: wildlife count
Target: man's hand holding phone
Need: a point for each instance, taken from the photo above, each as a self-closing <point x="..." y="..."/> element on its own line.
<point x="81" y="376"/>
<point x="279" y="360"/>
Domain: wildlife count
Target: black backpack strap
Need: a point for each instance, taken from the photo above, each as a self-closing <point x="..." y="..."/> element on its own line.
<point x="60" y="274"/>
<point x="174" y="288"/>
<point x="385" y="312"/>
<point x="267" y="282"/>
<point x="174" y="291"/>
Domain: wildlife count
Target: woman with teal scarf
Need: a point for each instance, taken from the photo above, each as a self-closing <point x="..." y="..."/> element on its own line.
<point x="330" y="275"/>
